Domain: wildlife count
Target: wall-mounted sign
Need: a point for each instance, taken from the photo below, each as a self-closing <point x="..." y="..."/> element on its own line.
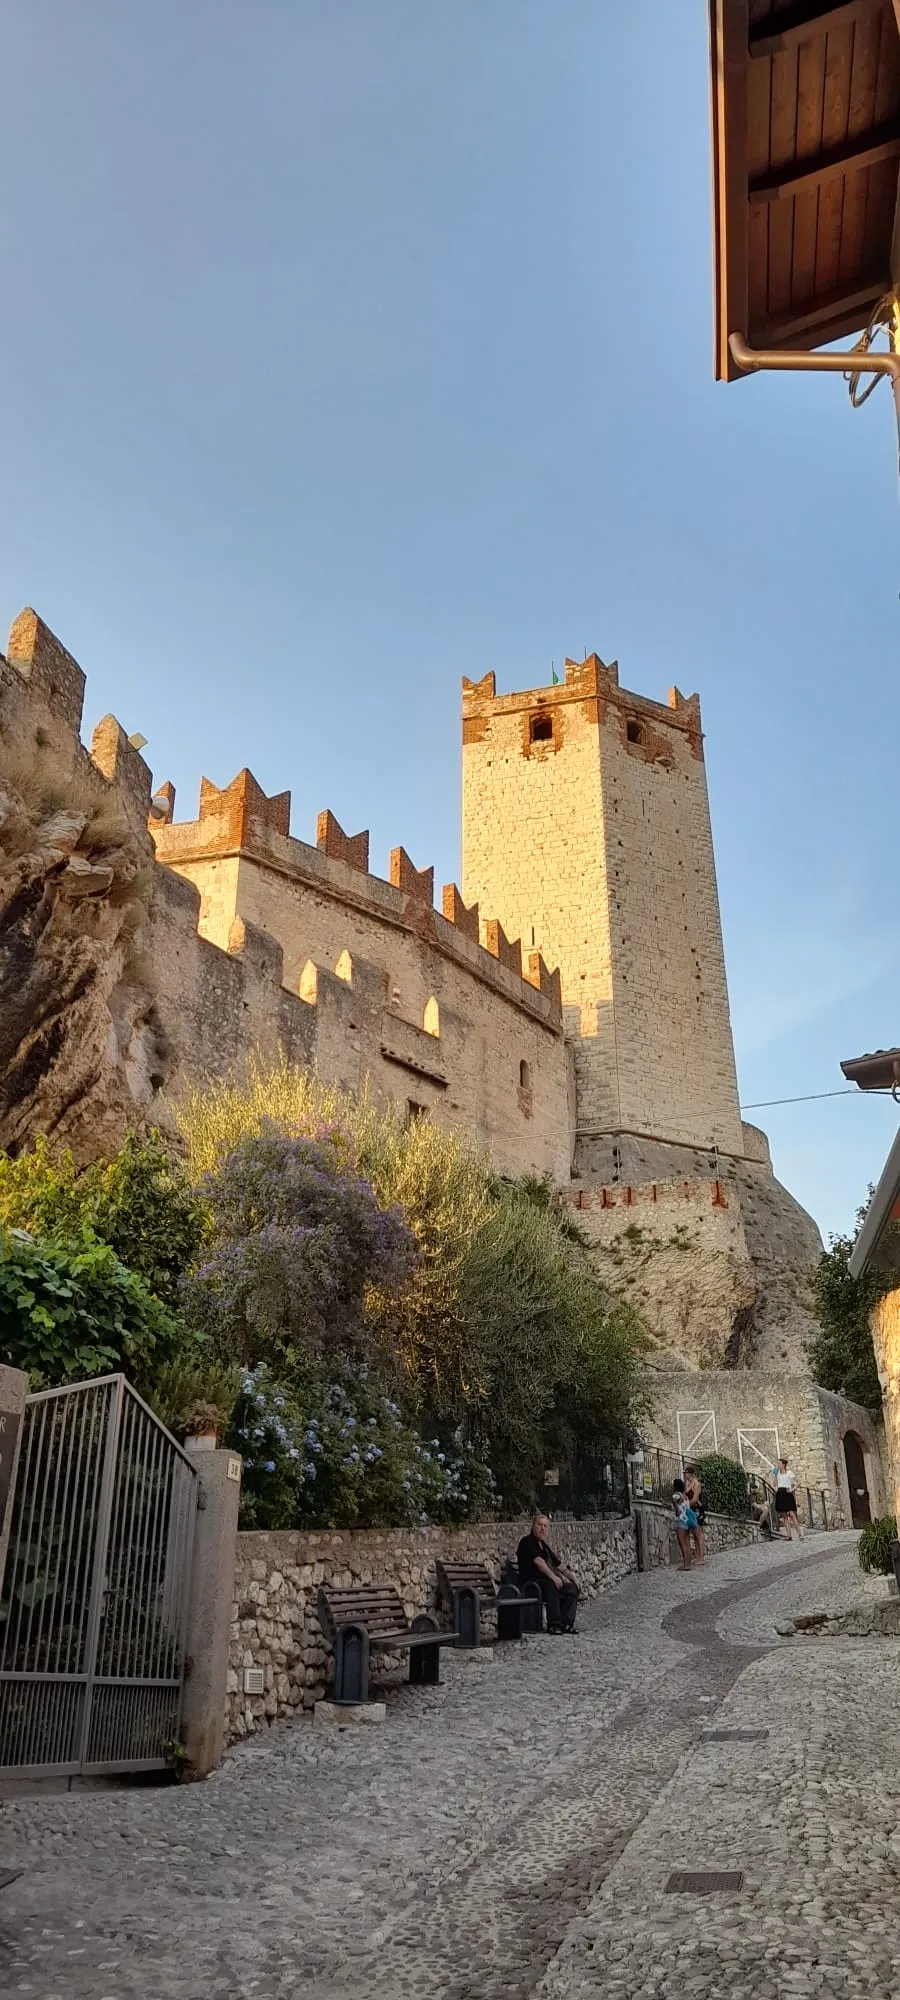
<point x="551" y="1477"/>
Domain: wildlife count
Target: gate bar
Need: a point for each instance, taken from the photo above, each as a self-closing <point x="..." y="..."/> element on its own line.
<point x="98" y="1580"/>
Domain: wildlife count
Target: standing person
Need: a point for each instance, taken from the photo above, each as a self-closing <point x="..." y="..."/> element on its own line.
<point x="685" y="1520"/>
<point x="538" y="1564"/>
<point x="786" y="1501"/>
<point x="694" y="1490"/>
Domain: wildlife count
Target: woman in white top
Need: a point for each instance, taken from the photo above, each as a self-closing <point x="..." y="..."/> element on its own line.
<point x="786" y="1501"/>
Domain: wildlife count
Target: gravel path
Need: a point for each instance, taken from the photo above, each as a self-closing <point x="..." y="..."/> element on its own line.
<point x="509" y="1825"/>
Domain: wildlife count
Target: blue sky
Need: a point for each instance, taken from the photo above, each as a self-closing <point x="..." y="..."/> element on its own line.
<point x="351" y="348"/>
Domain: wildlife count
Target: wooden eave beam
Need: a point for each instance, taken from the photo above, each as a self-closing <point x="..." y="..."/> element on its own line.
<point x="782" y="185"/>
<point x="845" y="309"/>
<point x="802" y="22"/>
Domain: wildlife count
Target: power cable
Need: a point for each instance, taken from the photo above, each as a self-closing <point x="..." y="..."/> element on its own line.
<point x="814" y="1097"/>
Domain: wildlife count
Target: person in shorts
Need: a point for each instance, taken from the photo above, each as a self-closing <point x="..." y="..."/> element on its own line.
<point x="685" y="1521"/>
<point x="694" y="1491"/>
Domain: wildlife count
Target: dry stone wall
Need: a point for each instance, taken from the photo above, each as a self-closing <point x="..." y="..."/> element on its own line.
<point x="659" y="1544"/>
<point x="274" y="1622"/>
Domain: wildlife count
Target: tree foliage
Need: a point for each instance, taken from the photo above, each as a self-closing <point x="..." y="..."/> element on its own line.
<point x="141" y="1203"/>
<point x="67" y="1313"/>
<point x="297" y="1240"/>
<point x="841" y="1355"/>
<point x="500" y="1341"/>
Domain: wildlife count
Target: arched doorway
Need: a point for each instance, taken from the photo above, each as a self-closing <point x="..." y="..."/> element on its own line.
<point x="854" y="1459"/>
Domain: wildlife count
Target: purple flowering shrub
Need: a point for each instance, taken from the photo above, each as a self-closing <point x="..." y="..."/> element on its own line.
<point x="298" y="1239"/>
<point x="341" y="1454"/>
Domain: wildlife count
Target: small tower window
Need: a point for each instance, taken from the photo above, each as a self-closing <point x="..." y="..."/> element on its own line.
<point x="524" y="1076"/>
<point x="415" y="1112"/>
<point x="634" y="732"/>
<point x="541" y="727"/>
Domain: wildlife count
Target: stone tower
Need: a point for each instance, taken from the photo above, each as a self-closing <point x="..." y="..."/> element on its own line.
<point x="586" y="832"/>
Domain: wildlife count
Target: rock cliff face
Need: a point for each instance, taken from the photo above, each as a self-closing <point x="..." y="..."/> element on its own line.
<point x="718" y="1269"/>
<point x="80" y="1054"/>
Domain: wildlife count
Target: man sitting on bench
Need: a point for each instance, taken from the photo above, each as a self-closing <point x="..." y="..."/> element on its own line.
<point x="538" y="1564"/>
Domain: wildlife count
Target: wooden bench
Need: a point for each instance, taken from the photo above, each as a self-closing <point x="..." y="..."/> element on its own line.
<point x="469" y="1588"/>
<point x="371" y="1618"/>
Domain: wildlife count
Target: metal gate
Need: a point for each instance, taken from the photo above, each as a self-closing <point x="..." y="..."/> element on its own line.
<point x="95" y="1593"/>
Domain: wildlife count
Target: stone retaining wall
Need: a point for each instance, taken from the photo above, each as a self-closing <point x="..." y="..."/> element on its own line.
<point x="721" y="1532"/>
<point x="274" y="1622"/>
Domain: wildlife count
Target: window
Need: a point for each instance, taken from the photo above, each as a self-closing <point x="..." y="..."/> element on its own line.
<point x="524" y="1076"/>
<point x="432" y="1018"/>
<point x="541" y="727"/>
<point x="415" y="1111"/>
<point x="634" y="732"/>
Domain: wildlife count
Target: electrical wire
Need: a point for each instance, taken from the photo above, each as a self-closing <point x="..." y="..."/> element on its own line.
<point x="814" y="1097"/>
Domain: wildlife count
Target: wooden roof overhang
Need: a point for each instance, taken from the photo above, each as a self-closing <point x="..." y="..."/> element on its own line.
<point x="806" y="156"/>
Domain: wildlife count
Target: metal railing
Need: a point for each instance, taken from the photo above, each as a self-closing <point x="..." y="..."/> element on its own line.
<point x="651" y="1479"/>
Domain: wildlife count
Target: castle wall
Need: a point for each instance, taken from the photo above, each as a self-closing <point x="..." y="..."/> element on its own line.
<point x="414" y="1004"/>
<point x="125" y="980"/>
<point x="585" y="815"/>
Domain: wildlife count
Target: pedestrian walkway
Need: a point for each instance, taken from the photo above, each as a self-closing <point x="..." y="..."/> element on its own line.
<point x="504" y="1835"/>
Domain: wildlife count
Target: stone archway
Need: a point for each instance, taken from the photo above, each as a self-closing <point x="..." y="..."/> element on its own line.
<point x="855" y="1462"/>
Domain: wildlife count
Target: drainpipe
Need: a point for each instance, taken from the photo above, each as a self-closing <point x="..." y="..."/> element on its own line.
<point x="856" y="362"/>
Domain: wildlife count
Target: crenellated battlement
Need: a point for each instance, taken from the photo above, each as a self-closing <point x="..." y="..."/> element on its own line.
<point x="240" y="821"/>
<point x="244" y="938"/>
<point x="591" y="683"/>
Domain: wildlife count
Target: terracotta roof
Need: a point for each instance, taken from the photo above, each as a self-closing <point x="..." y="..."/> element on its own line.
<point x="879" y="1071"/>
<point x="806" y="147"/>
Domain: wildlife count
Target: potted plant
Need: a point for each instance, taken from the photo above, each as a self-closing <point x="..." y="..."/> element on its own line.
<point x="203" y="1427"/>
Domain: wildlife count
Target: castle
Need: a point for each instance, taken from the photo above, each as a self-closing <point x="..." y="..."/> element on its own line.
<point x="566" y="1008"/>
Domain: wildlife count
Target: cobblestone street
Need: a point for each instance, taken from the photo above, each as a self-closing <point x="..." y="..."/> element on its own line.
<point x="511" y="1832"/>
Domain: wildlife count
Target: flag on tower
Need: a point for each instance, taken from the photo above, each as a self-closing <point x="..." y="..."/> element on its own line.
<point x="554" y="675"/>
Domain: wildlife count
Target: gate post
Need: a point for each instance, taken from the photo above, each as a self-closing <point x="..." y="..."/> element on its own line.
<point x="209" y="1610"/>
<point x="13" y="1390"/>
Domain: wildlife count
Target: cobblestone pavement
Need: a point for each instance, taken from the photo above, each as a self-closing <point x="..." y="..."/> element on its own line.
<point x="512" y="1824"/>
<point x="811" y="1815"/>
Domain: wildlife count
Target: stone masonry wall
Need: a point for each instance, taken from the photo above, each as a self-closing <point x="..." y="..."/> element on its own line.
<point x="111" y="999"/>
<point x="811" y="1424"/>
<point x="660" y="1546"/>
<point x="402" y="995"/>
<point x="275" y="1625"/>
<point x="586" y="830"/>
<point x="885" y="1324"/>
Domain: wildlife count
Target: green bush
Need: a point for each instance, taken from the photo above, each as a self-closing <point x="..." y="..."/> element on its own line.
<point x="875" y="1546"/>
<point x="503" y="1337"/>
<point x="140" y="1203"/>
<point x="340" y="1454"/>
<point x="724" y="1484"/>
<point x="69" y="1312"/>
